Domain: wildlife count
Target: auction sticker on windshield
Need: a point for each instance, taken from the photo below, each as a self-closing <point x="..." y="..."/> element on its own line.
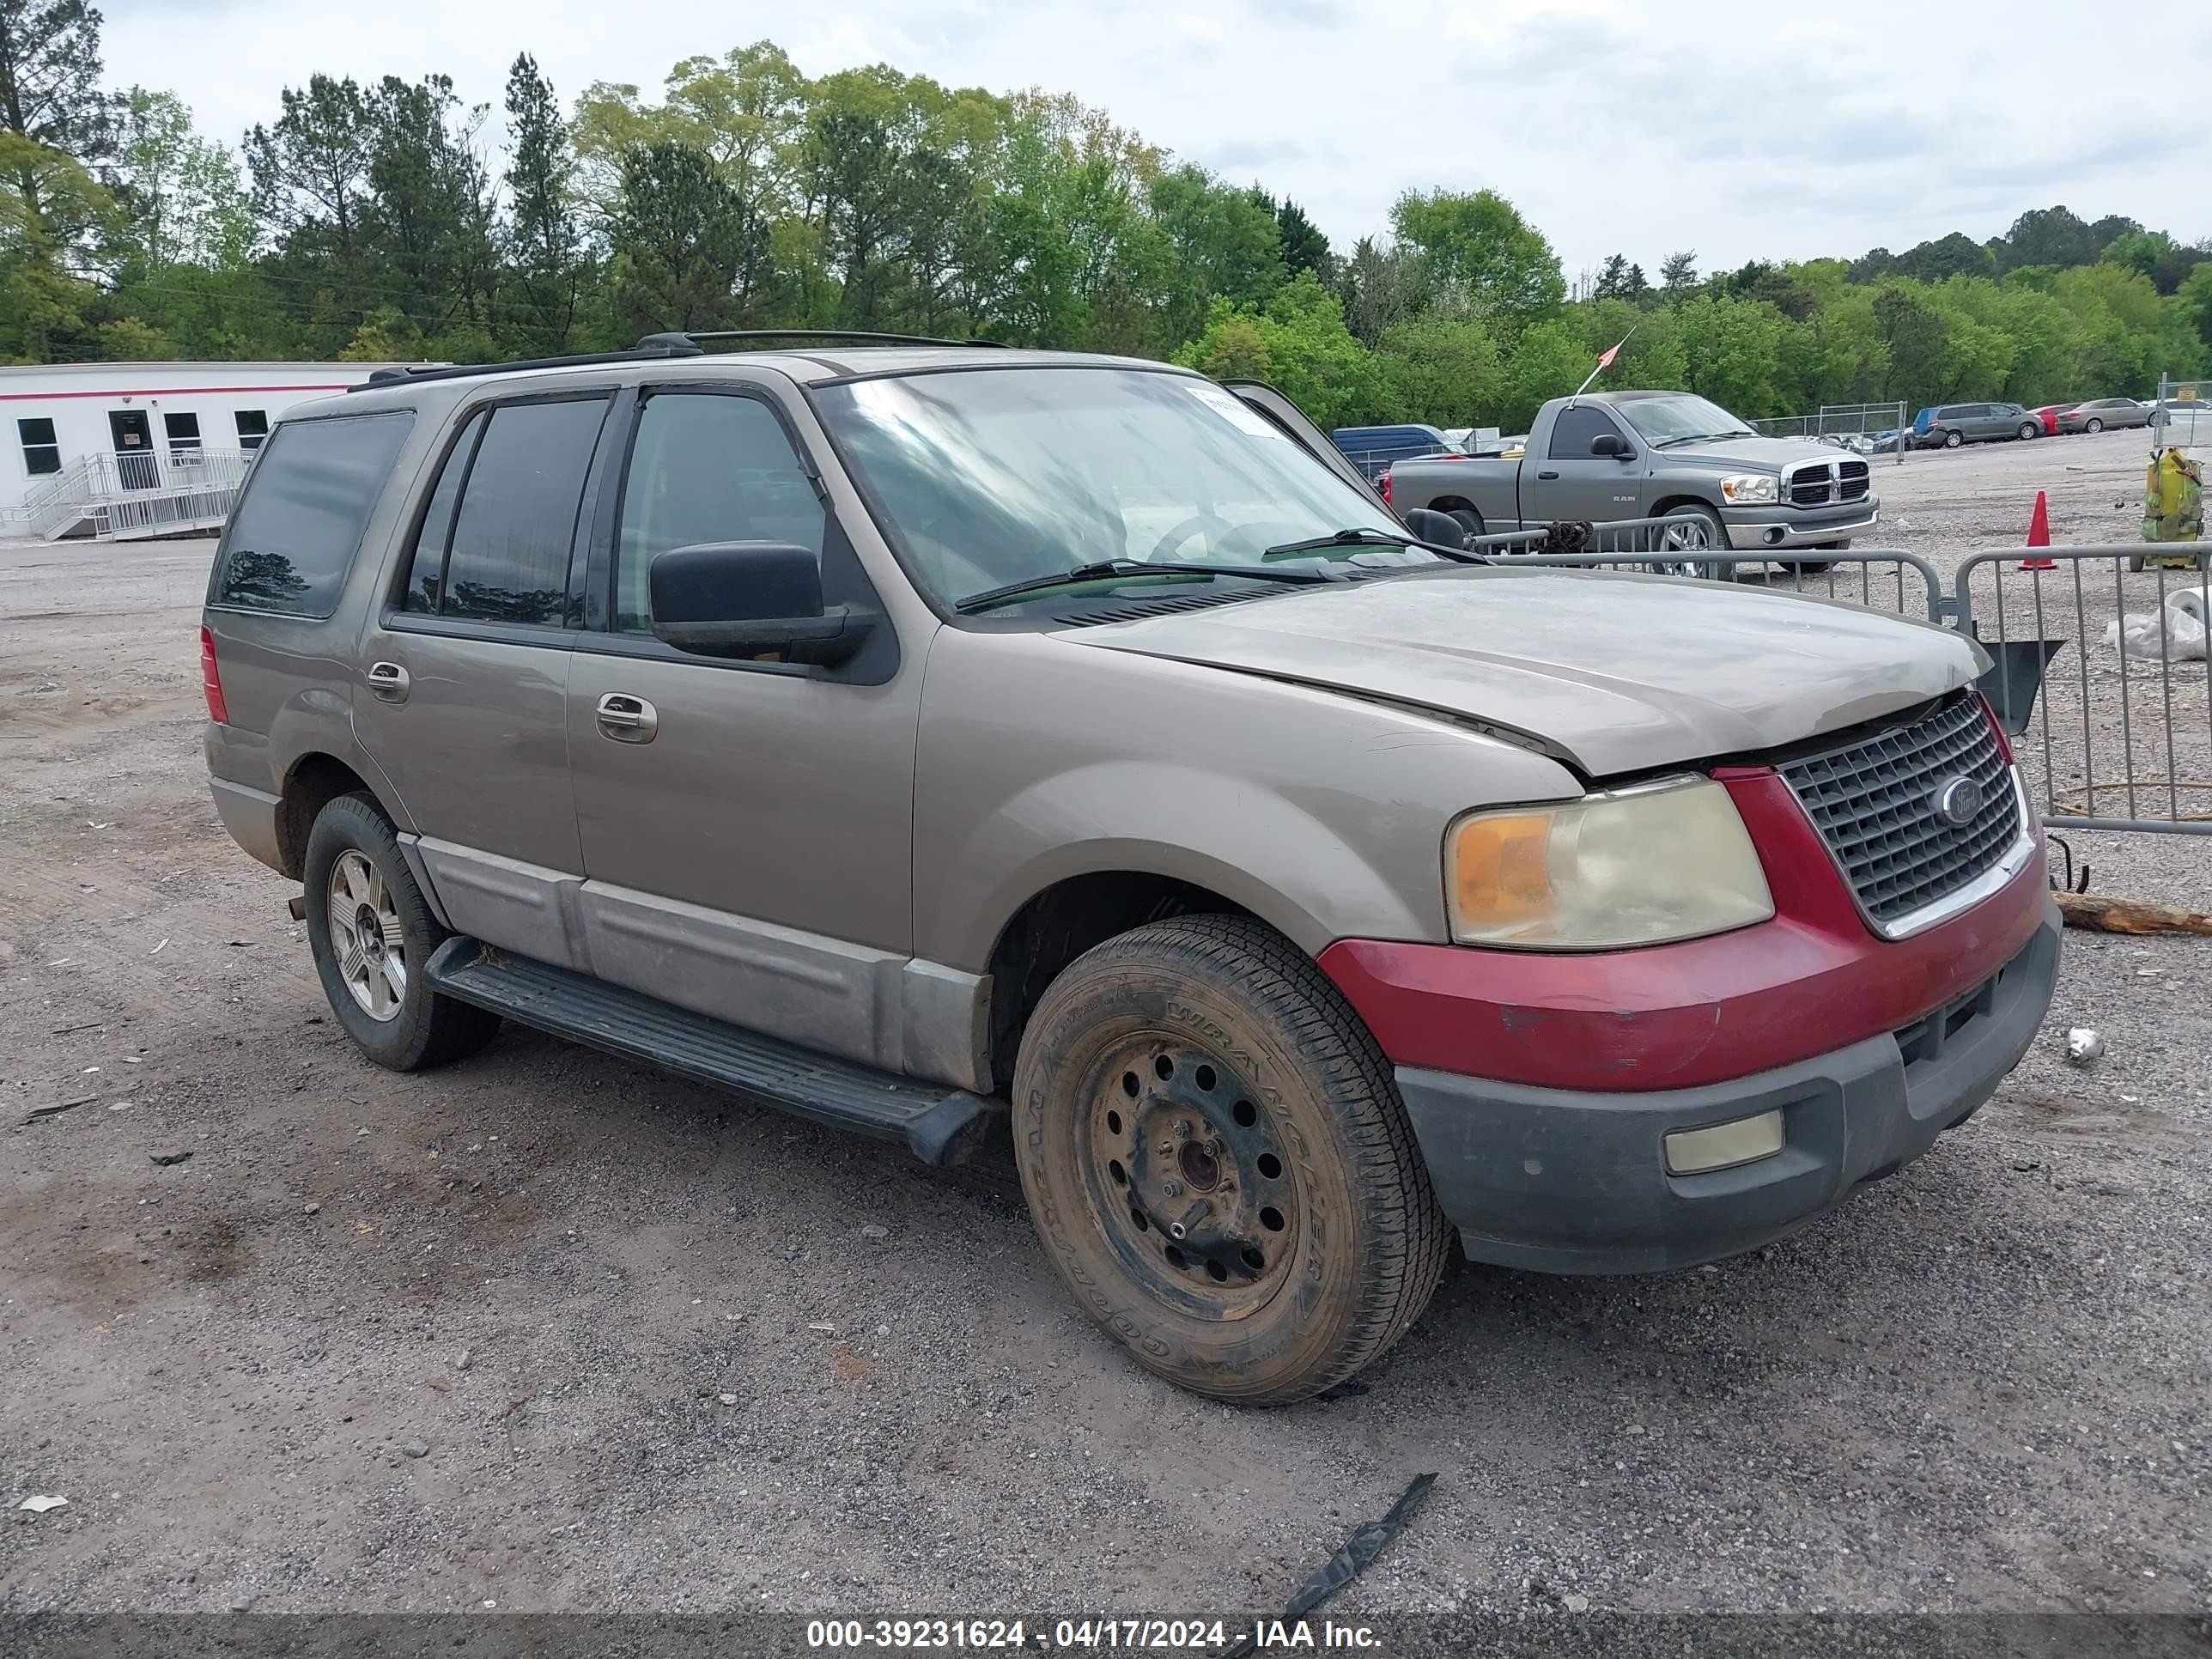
<point x="1234" y="410"/>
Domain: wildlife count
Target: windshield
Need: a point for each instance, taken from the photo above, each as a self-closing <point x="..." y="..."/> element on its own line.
<point x="994" y="477"/>
<point x="1679" y="417"/>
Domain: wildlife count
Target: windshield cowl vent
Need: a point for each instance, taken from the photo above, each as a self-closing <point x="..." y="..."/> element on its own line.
<point x="1091" y="615"/>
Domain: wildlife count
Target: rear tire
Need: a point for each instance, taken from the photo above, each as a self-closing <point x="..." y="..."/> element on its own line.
<point x="1218" y="1165"/>
<point x="2092" y="424"/>
<point x="372" y="934"/>
<point x="1469" y="520"/>
<point x="1952" y="440"/>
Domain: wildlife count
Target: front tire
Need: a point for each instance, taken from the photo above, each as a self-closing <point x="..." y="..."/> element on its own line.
<point x="2028" y="430"/>
<point x="1218" y="1165"/>
<point x="1685" y="532"/>
<point x="372" y="934"/>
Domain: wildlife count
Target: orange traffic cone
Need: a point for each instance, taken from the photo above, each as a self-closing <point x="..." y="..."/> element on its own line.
<point x="2038" y="535"/>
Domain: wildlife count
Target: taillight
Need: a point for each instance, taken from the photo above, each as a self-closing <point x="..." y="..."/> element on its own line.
<point x="1382" y="483"/>
<point x="1996" y="727"/>
<point x="211" y="680"/>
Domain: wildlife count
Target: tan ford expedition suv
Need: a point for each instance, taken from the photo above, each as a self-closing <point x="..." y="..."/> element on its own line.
<point x="938" y="740"/>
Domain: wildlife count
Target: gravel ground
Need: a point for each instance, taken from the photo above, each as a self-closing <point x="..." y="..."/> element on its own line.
<point x="553" y="1331"/>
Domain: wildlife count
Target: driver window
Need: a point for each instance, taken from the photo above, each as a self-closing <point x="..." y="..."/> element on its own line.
<point x="706" y="467"/>
<point x="1574" y="428"/>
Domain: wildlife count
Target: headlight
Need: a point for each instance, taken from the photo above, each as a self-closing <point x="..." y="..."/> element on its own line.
<point x="1750" y="489"/>
<point x="1665" y="860"/>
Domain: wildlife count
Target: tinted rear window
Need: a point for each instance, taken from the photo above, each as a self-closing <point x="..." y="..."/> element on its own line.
<point x="509" y="560"/>
<point x="307" y="502"/>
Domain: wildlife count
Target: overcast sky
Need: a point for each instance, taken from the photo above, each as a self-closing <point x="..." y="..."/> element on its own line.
<point x="1741" y="130"/>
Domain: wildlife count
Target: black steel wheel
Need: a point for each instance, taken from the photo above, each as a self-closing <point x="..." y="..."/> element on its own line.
<point x="1218" y="1164"/>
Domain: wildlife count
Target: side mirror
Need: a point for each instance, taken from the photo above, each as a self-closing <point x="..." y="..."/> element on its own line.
<point x="761" y="599"/>
<point x="1440" y="528"/>
<point x="1611" y="443"/>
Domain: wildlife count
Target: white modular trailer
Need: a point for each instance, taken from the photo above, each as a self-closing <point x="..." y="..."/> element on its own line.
<point x="131" y="433"/>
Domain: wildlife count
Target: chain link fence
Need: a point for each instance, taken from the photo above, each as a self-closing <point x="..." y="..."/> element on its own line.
<point x="1861" y="428"/>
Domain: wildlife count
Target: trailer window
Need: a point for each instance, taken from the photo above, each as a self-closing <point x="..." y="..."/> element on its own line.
<point x="41" y="454"/>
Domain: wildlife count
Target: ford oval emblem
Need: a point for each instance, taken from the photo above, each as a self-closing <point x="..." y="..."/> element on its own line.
<point x="1957" y="800"/>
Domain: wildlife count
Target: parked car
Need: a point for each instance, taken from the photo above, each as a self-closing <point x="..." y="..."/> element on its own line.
<point x="1669" y="455"/>
<point x="2099" y="413"/>
<point x="954" y="744"/>
<point x="2048" y="414"/>
<point x="2187" y="421"/>
<point x="1375" y="449"/>
<point x="1952" y="424"/>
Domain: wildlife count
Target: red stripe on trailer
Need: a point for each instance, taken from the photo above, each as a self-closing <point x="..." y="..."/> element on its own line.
<point x="173" y="392"/>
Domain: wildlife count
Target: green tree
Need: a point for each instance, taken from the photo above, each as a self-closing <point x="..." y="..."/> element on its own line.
<point x="689" y="253"/>
<point x="1381" y="286"/>
<point x="1298" y="344"/>
<point x="43" y="301"/>
<point x="2050" y="236"/>
<point x="1955" y="255"/>
<point x="1481" y="251"/>
<point x="1548" y="361"/>
<point x="2157" y="256"/>
<point x="544" y="242"/>
<point x="430" y="207"/>
<point x="1913" y="336"/>
<point x="1303" y="247"/>
<point x="183" y="199"/>
<point x="1442" y="370"/>
<point x="50" y="95"/>
<point x="313" y="196"/>
<point x="1678" y="274"/>
<point x="1732" y="351"/>
<point x="2193" y="304"/>
<point x="1221" y="244"/>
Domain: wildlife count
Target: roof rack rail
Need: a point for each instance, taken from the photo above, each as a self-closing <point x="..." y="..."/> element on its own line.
<point x="658" y="346"/>
<point x="859" y="336"/>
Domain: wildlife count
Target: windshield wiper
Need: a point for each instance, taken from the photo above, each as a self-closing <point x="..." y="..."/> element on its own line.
<point x="1365" y="537"/>
<point x="1100" y="569"/>
<point x="1703" y="437"/>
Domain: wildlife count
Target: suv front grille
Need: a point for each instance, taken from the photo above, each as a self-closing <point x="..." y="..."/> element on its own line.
<point x="1874" y="801"/>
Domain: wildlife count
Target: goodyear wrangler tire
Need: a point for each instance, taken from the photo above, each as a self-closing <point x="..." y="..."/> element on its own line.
<point x="1218" y="1165"/>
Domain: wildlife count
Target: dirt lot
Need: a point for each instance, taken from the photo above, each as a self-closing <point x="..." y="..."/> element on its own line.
<point x="552" y="1331"/>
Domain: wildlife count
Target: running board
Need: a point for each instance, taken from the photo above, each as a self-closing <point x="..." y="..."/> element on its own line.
<point x="931" y="1119"/>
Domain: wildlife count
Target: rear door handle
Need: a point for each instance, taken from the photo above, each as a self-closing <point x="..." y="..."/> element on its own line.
<point x="1548" y="474"/>
<point x="388" y="681"/>
<point x="626" y="718"/>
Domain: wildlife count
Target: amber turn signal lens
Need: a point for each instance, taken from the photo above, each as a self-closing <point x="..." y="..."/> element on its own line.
<point x="1502" y="870"/>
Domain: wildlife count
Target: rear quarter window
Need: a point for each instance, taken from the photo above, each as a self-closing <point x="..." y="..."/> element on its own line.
<point x="307" y="502"/>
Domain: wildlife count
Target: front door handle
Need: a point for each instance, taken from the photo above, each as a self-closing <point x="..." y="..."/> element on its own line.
<point x="388" y="681"/>
<point x="1548" y="474"/>
<point x="626" y="718"/>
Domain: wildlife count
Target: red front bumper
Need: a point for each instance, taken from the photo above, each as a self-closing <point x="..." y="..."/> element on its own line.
<point x="1813" y="979"/>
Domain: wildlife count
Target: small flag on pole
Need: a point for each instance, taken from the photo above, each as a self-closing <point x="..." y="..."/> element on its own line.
<point x="1604" y="362"/>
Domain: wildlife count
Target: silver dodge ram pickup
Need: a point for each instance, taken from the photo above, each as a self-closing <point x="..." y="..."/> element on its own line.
<point x="1672" y="455"/>
<point x="962" y="745"/>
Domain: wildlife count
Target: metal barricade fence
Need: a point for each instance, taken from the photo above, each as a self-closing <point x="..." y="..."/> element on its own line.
<point x="2102" y="675"/>
<point x="1881" y="579"/>
<point x="2101" y="667"/>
